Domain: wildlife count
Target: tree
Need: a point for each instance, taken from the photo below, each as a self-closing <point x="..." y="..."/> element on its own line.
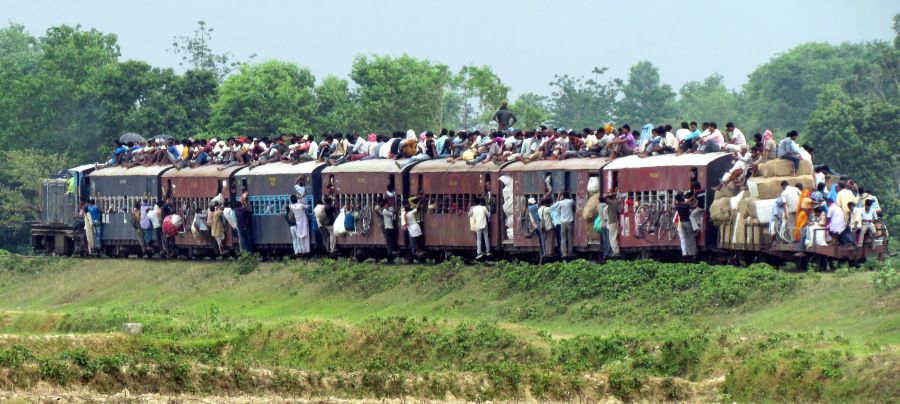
<point x="196" y="53"/>
<point x="783" y="92"/>
<point x="531" y="111"/>
<point x="708" y="100"/>
<point x="473" y="84"/>
<point x="857" y="136"/>
<point x="336" y="108"/>
<point x="397" y="93"/>
<point x="264" y="99"/>
<point x="20" y="185"/>
<point x="139" y="98"/>
<point x="644" y="98"/>
<point x="583" y="102"/>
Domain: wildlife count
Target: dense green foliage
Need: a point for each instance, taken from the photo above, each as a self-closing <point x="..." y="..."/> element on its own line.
<point x="68" y="93"/>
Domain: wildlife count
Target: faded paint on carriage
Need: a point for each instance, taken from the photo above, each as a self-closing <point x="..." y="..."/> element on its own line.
<point x="116" y="189"/>
<point x="192" y="189"/>
<point x="451" y="189"/>
<point x="649" y="177"/>
<point x="365" y="181"/>
<point x="570" y="175"/>
<point x="275" y="182"/>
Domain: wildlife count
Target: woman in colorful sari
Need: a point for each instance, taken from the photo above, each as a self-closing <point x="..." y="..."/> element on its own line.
<point x="804" y="210"/>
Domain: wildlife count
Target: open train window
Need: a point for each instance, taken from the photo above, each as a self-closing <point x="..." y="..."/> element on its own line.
<point x="243" y="185"/>
<point x="694" y="175"/>
<point x="391" y="186"/>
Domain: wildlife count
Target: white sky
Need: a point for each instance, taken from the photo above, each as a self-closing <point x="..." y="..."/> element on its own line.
<point x="526" y="42"/>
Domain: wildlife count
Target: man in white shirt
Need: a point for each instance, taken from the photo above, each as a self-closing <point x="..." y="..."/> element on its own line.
<point x="684" y="131"/>
<point x="712" y="142"/>
<point x="791" y="196"/>
<point x="480" y="216"/>
<point x="736" y="138"/>
<point x="566" y="207"/>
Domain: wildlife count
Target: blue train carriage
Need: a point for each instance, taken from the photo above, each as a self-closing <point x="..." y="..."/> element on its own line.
<point x="268" y="188"/>
<point x="116" y="189"/>
<point x="60" y="229"/>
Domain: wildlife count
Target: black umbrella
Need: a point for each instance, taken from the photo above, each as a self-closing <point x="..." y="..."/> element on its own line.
<point x="163" y="137"/>
<point x="131" y="137"/>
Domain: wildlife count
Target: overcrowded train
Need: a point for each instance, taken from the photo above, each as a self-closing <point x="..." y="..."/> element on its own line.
<point x="645" y="185"/>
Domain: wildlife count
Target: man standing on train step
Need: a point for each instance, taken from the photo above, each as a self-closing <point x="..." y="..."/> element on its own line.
<point x="613" y="209"/>
<point x="566" y="207"/>
<point x="480" y="216"/>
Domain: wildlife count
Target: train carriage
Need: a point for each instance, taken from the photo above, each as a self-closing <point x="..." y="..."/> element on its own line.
<point x="451" y="189"/>
<point x="268" y="189"/>
<point x="530" y="181"/>
<point x="116" y="189"/>
<point x="59" y="229"/>
<point x="650" y="185"/>
<point x="363" y="183"/>
<point x="191" y="190"/>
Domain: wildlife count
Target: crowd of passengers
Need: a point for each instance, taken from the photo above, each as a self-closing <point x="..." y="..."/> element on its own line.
<point x="837" y="203"/>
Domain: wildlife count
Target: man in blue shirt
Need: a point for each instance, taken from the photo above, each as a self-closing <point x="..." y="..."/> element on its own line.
<point x="789" y="150"/>
<point x="96" y="217"/>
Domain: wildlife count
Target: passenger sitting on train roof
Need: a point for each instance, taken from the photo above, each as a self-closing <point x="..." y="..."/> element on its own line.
<point x="788" y="150"/>
<point x="461" y="143"/>
<point x="441" y="143"/>
<point x="623" y="145"/>
<point x="713" y="141"/>
<point x="201" y="155"/>
<point x="662" y="143"/>
<point x="734" y="177"/>
<point x="574" y="145"/>
<point x="429" y="153"/>
<point x="736" y="138"/>
<point x="489" y="152"/>
<point x="272" y="154"/>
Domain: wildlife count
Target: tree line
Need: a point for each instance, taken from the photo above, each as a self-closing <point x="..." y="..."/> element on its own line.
<point x="65" y="95"/>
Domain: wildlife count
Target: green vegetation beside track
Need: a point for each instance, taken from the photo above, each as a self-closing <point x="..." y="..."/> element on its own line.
<point x="561" y="331"/>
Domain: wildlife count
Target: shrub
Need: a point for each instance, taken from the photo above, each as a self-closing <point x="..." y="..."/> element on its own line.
<point x="246" y="263"/>
<point x="887" y="279"/>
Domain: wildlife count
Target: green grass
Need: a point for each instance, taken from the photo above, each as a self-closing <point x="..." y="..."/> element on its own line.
<point x="502" y="331"/>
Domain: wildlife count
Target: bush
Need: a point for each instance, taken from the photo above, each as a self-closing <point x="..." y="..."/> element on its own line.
<point x="246" y="263"/>
<point x="887" y="279"/>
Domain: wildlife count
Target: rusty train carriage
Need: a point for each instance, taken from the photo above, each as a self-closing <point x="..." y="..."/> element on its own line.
<point x="570" y="175"/>
<point x="451" y="189"/>
<point x="272" y="185"/>
<point x="364" y="182"/>
<point x="115" y="190"/>
<point x="191" y="190"/>
<point x="659" y="178"/>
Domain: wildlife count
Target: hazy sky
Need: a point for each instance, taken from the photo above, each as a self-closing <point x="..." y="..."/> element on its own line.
<point x="526" y="42"/>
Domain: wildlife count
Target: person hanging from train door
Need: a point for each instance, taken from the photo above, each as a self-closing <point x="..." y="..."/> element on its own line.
<point x="291" y="219"/>
<point x="565" y="206"/>
<point x="136" y="217"/>
<point x="685" y="229"/>
<point x="547" y="227"/>
<point x="216" y="224"/>
<point x="388" y="228"/>
<point x="534" y="217"/>
<point x="479" y="217"/>
<point x="614" y="208"/>
<point x="243" y="216"/>
<point x="97" y="222"/>
<point x="301" y="223"/>
<point x="408" y="216"/>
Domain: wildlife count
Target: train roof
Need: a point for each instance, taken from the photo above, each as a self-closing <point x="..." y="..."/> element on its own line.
<point x="570" y="164"/>
<point x="211" y="170"/>
<point x="281" y="168"/>
<point x="366" y="166"/>
<point x="665" y="160"/>
<point x="83" y="168"/>
<point x="137" y="171"/>
<point x="442" y="165"/>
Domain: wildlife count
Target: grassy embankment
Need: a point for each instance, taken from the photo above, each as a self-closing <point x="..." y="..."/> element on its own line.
<point x="561" y="331"/>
